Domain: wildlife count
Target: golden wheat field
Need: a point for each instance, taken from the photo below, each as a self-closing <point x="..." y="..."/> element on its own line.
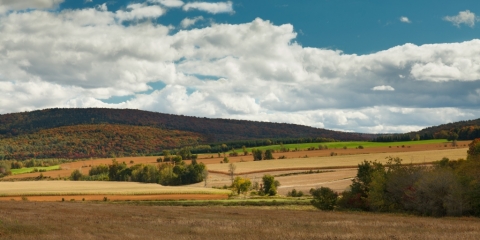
<point x="42" y="189"/>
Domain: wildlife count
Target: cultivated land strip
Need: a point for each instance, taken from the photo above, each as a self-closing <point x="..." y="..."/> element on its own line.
<point x="72" y="188"/>
<point x="336" y="162"/>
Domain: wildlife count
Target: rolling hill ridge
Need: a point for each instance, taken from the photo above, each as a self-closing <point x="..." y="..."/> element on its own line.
<point x="97" y="132"/>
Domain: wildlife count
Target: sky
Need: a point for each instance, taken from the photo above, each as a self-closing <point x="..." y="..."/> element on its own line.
<point x="370" y="66"/>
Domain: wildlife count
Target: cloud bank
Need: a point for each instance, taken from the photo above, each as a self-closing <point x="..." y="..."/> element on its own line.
<point x="254" y="71"/>
<point x="7" y="5"/>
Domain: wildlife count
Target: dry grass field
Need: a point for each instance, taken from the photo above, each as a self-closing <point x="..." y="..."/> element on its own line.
<point x="56" y="190"/>
<point x="338" y="161"/>
<point x="78" y="220"/>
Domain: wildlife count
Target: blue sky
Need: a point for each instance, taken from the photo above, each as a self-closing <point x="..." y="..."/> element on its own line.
<point x="353" y="26"/>
<point x="364" y="66"/>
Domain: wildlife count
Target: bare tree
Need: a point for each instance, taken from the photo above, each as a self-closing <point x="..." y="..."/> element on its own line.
<point x="205" y="176"/>
<point x="231" y="170"/>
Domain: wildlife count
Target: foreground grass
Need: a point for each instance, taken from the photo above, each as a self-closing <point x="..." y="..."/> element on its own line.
<point x="32" y="169"/>
<point x="340" y="145"/>
<point x="304" y="201"/>
<point x="27" y="220"/>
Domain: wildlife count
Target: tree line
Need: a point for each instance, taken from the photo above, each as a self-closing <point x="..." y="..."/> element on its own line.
<point x="168" y="174"/>
<point x="448" y="188"/>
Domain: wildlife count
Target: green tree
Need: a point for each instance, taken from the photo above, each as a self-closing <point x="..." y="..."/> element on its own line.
<point x="76" y="175"/>
<point x="324" y="198"/>
<point x="270" y="185"/>
<point x="268" y="155"/>
<point x="257" y="154"/>
<point x="241" y="185"/>
<point x="98" y="169"/>
<point x="166" y="175"/>
<point x="244" y="149"/>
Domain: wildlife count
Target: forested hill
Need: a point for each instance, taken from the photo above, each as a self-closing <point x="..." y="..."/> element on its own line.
<point x="213" y="130"/>
<point x="465" y="130"/>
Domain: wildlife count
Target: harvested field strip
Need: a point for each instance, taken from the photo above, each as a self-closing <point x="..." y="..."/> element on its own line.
<point x="301" y="169"/>
<point x="156" y="197"/>
<point x="59" y="188"/>
<point x="420" y="157"/>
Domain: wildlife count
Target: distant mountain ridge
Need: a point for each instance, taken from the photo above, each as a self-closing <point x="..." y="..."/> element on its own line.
<point x="214" y="130"/>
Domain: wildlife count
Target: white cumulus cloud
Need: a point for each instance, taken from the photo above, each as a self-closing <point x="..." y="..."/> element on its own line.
<point x="383" y="88"/>
<point x="139" y="11"/>
<point x="214" y="8"/>
<point x="405" y="19"/>
<point x="254" y="70"/>
<point x="187" y="22"/>
<point x="464" y="17"/>
<point x="168" y="3"/>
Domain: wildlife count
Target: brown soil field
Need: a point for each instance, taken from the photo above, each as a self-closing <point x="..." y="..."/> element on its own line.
<point x="118" y="197"/>
<point x="88" y="220"/>
<point x="85" y="165"/>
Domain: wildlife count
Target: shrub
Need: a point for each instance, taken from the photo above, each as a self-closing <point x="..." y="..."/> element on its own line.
<point x="76" y="175"/>
<point x="294" y="193"/>
<point x="360" y="147"/>
<point x="324" y="198"/>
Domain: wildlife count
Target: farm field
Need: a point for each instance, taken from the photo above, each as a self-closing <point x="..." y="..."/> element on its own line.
<point x="56" y="190"/>
<point x="78" y="220"/>
<point x="337" y="161"/>
<point x="341" y="145"/>
<point x="85" y="165"/>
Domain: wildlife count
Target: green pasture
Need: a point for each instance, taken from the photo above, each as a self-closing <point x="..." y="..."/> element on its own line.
<point x="29" y="170"/>
<point x="340" y="145"/>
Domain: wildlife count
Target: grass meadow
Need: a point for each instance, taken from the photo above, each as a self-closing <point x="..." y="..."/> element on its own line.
<point x="32" y="169"/>
<point x="338" y="145"/>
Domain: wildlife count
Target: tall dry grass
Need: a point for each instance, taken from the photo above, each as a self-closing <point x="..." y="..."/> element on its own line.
<point x="25" y="220"/>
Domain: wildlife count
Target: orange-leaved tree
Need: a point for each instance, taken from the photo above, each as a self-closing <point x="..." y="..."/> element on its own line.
<point x="474" y="150"/>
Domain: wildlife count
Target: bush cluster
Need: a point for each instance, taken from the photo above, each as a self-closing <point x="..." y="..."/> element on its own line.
<point x="448" y="188"/>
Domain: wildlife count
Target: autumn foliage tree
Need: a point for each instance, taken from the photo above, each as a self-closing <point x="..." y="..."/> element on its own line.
<point x="474" y="150"/>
